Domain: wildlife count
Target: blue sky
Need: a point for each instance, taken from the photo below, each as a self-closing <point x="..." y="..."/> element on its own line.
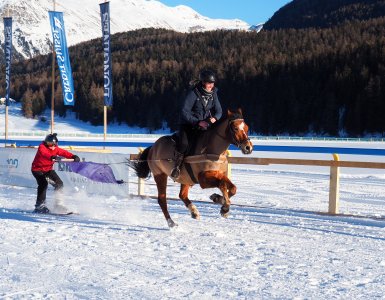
<point x="250" y="11"/>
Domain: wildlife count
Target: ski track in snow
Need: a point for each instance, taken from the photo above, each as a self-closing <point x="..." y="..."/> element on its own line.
<point x="271" y="247"/>
<point x="274" y="245"/>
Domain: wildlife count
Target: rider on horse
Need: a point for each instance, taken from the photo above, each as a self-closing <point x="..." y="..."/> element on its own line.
<point x="200" y="109"/>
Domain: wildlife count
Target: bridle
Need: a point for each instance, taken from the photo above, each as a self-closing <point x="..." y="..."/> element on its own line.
<point x="236" y="142"/>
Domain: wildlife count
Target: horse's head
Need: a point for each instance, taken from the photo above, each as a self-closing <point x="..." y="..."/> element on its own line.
<point x="239" y="131"/>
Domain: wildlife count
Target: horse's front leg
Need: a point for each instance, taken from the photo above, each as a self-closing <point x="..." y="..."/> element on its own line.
<point x="210" y="179"/>
<point x="161" y="184"/>
<point x="183" y="194"/>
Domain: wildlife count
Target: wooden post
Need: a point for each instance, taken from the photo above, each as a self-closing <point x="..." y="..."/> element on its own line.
<point x="140" y="186"/>
<point x="228" y="153"/>
<point x="140" y="180"/>
<point x="6" y="106"/>
<point x="53" y="81"/>
<point x="6" y="126"/>
<point x="334" y="188"/>
<point x="105" y="125"/>
<point x="105" y="115"/>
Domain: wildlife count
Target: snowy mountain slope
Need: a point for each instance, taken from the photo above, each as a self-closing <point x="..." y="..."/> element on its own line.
<point x="31" y="26"/>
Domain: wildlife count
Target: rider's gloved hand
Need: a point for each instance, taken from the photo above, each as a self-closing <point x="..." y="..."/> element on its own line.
<point x="211" y="120"/>
<point x="203" y="125"/>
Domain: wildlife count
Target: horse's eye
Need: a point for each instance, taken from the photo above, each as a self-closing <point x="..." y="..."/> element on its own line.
<point x="236" y="128"/>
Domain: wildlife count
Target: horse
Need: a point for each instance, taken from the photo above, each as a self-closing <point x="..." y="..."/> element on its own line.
<point x="205" y="164"/>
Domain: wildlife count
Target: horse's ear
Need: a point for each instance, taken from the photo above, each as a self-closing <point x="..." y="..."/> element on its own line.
<point x="240" y="111"/>
<point x="229" y="113"/>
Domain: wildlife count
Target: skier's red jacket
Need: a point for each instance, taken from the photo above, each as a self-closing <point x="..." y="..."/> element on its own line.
<point x="43" y="161"/>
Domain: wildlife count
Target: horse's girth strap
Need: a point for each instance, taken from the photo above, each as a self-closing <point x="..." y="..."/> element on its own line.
<point x="190" y="172"/>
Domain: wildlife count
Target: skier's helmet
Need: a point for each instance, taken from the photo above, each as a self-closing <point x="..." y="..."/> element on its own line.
<point x="51" y="139"/>
<point x="207" y="76"/>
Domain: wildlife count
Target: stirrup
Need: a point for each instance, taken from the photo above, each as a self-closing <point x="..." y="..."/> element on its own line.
<point x="175" y="173"/>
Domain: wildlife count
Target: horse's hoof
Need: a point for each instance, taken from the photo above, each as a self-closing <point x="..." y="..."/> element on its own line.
<point x="225" y="211"/>
<point x="194" y="212"/>
<point x="171" y="223"/>
<point x="225" y="215"/>
<point x="216" y="198"/>
<point x="195" y="216"/>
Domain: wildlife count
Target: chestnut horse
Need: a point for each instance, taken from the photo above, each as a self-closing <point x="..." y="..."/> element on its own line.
<point x="206" y="165"/>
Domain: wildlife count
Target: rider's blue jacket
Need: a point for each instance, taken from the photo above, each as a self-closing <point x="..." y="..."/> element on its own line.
<point x="194" y="110"/>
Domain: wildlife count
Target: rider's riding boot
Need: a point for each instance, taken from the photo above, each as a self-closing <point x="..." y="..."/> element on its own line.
<point x="175" y="172"/>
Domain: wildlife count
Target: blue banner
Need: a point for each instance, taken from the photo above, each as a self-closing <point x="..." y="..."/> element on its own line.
<point x="107" y="68"/>
<point x="62" y="56"/>
<point x="8" y="56"/>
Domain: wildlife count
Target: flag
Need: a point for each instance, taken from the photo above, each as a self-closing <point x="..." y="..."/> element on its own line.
<point x="8" y="56"/>
<point x="107" y="67"/>
<point x="94" y="171"/>
<point x="63" y="59"/>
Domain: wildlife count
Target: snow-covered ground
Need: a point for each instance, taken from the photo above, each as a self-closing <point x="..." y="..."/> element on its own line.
<point x="69" y="125"/>
<point x="274" y="245"/>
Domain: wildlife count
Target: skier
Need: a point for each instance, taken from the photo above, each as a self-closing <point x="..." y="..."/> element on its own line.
<point x="200" y="109"/>
<point x="42" y="169"/>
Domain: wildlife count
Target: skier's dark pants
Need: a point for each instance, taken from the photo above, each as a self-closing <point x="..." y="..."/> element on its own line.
<point x="41" y="178"/>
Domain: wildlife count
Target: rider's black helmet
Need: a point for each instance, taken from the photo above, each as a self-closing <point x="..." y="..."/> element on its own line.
<point x="51" y="139"/>
<point x="207" y="76"/>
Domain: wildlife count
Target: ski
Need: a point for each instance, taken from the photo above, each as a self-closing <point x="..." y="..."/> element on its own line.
<point x="58" y="214"/>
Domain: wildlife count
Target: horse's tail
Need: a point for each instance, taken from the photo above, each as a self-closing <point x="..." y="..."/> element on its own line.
<point x="141" y="165"/>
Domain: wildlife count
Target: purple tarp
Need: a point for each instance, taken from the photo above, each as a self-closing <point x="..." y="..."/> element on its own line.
<point x="94" y="171"/>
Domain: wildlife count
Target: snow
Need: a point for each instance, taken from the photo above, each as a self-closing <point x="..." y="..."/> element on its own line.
<point x="82" y="20"/>
<point x="276" y="243"/>
<point x="18" y="125"/>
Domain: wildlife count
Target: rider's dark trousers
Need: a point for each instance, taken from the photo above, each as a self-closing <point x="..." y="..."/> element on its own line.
<point x="186" y="136"/>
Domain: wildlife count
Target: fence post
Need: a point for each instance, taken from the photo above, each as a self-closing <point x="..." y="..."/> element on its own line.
<point x="334" y="188"/>
<point x="140" y="180"/>
<point x="228" y="153"/>
<point x="140" y="186"/>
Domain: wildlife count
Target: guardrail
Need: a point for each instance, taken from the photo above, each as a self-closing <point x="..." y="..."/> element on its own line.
<point x="262" y="148"/>
<point x="42" y="133"/>
<point x="334" y="165"/>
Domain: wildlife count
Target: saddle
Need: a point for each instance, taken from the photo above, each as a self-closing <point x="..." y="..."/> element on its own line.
<point x="204" y="161"/>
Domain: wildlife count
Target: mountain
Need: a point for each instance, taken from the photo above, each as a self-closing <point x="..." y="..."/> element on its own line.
<point x="257" y="27"/>
<point x="324" y="13"/>
<point x="31" y="27"/>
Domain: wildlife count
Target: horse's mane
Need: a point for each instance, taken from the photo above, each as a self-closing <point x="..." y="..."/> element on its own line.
<point x="233" y="116"/>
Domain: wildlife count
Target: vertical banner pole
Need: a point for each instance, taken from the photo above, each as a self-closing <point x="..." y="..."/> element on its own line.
<point x="105" y="110"/>
<point x="8" y="60"/>
<point x="105" y="125"/>
<point x="107" y="65"/>
<point x="53" y="81"/>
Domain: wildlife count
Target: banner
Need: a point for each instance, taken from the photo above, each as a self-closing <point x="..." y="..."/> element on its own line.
<point x="94" y="171"/>
<point x="63" y="59"/>
<point x="109" y="176"/>
<point x="105" y="16"/>
<point x="8" y="56"/>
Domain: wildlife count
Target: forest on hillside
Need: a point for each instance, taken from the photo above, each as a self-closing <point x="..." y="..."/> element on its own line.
<point x="324" y="13"/>
<point x="291" y="81"/>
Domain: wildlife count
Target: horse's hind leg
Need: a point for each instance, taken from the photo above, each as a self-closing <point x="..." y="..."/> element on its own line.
<point x="183" y="194"/>
<point x="209" y="179"/>
<point x="161" y="183"/>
